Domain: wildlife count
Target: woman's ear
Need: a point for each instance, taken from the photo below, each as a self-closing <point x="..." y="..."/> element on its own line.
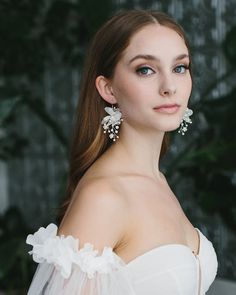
<point x="105" y="90"/>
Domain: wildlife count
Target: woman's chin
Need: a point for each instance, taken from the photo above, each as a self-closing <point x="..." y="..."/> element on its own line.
<point x="172" y="128"/>
<point x="169" y="128"/>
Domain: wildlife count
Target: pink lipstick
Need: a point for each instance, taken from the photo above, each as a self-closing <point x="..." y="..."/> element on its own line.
<point x="167" y="108"/>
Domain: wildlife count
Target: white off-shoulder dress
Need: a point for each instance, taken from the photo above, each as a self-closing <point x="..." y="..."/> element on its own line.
<point x="65" y="268"/>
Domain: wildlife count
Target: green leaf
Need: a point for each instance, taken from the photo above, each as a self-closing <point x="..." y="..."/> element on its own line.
<point x="8" y="255"/>
<point x="229" y="45"/>
<point x="7" y="106"/>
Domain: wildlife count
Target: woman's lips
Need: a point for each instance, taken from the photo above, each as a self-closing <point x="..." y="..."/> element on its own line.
<point x="167" y="108"/>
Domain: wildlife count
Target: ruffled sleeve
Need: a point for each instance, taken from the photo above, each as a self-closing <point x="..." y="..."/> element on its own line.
<point x="64" y="269"/>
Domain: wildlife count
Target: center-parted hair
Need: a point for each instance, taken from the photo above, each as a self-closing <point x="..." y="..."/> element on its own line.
<point x="105" y="50"/>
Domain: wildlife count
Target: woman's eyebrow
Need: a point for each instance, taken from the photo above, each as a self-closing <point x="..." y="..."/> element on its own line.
<point x="152" y="57"/>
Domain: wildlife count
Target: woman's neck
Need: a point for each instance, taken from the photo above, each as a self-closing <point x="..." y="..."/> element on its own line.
<point x="137" y="153"/>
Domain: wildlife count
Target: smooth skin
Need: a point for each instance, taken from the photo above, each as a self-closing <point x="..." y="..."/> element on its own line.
<point x="123" y="200"/>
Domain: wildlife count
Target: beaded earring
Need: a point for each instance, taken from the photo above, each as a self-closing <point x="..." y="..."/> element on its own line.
<point x="112" y="121"/>
<point x="185" y="121"/>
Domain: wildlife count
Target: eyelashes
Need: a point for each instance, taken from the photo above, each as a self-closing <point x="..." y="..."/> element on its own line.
<point x="144" y="71"/>
<point x="147" y="71"/>
<point x="186" y="67"/>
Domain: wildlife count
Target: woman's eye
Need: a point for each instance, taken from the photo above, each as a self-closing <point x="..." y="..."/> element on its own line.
<point x="180" y="67"/>
<point x="144" y="71"/>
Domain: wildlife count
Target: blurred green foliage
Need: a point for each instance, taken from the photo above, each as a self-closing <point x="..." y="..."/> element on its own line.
<point x="34" y="35"/>
<point x="16" y="267"/>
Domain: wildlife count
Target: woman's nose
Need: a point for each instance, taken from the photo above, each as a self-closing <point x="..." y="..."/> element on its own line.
<point x="167" y="91"/>
<point x="167" y="88"/>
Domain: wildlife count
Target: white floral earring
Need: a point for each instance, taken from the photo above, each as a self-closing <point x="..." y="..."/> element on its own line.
<point x="185" y="121"/>
<point x="112" y="121"/>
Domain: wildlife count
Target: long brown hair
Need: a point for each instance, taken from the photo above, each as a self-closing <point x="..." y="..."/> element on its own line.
<point x="88" y="140"/>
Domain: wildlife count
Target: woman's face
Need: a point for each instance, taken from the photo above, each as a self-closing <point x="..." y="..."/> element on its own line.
<point x="153" y="73"/>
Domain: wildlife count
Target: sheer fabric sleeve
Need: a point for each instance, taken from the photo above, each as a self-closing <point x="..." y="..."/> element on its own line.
<point x="64" y="269"/>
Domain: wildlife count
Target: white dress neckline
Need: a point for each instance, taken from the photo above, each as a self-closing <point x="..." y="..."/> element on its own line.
<point x="66" y="266"/>
<point x="172" y="245"/>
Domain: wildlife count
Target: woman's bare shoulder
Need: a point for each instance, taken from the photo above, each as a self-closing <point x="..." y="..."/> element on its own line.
<point x="98" y="214"/>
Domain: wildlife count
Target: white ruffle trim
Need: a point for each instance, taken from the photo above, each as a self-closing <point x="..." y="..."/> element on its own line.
<point x="64" y="253"/>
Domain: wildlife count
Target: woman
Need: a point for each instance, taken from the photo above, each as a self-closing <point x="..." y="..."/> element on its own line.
<point x="124" y="231"/>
